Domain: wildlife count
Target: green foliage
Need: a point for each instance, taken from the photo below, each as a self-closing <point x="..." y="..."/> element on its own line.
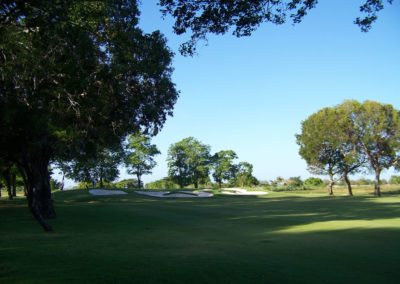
<point x="377" y="128"/>
<point x="244" y="175"/>
<point x="328" y="144"/>
<point x="394" y="180"/>
<point x="98" y="170"/>
<point x="139" y="156"/>
<point x="188" y="162"/>
<point x="83" y="185"/>
<point x="127" y="183"/>
<point x="363" y="181"/>
<point x="165" y="183"/>
<point x="313" y="181"/>
<point x="244" y="17"/>
<point x="222" y="166"/>
<point x="76" y="76"/>
<point x="282" y="184"/>
<point x="340" y="140"/>
<point x="294" y="182"/>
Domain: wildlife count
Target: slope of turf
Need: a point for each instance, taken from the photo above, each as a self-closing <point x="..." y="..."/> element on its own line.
<point x="278" y="238"/>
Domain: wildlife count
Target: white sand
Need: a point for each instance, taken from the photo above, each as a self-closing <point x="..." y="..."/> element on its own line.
<point x="106" y="192"/>
<point x="240" y="191"/>
<point x="179" y="194"/>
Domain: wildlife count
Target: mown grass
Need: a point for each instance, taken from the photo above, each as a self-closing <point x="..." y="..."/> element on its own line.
<point x="285" y="237"/>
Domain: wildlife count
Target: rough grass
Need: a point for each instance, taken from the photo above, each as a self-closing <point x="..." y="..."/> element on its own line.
<point x="288" y="237"/>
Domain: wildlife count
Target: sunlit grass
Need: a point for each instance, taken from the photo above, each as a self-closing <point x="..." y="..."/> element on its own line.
<point x="393" y="223"/>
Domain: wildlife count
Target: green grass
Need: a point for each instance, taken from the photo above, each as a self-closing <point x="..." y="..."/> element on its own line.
<point x="288" y="237"/>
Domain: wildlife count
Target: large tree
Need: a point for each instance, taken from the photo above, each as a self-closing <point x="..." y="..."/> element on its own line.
<point x="244" y="175"/>
<point x="201" y="17"/>
<point x="342" y="139"/>
<point x="329" y="146"/>
<point x="223" y="168"/>
<point x="139" y="156"/>
<point x="188" y="162"/>
<point x="377" y="128"/>
<point x="96" y="169"/>
<point x="76" y="74"/>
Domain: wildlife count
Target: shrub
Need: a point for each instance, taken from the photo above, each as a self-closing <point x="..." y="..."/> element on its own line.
<point x="313" y="181"/>
<point x="164" y="183"/>
<point x="127" y="183"/>
<point x="394" y="180"/>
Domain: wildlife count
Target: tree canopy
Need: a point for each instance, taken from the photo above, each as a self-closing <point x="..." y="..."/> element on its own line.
<point x="97" y="169"/>
<point x="244" y="17"/>
<point x="329" y="145"/>
<point x="75" y="75"/>
<point x="244" y="175"/>
<point x="139" y="156"/>
<point x="377" y="128"/>
<point x="222" y="166"/>
<point x="188" y="162"/>
<point x="340" y="140"/>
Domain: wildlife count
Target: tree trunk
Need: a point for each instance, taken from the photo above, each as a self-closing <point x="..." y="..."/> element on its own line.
<point x="39" y="192"/>
<point x="220" y="184"/>
<point x="196" y="184"/>
<point x="7" y="177"/>
<point x="349" y="189"/>
<point x="14" y="184"/>
<point x="377" y="187"/>
<point x="101" y="178"/>
<point x="24" y="178"/>
<point x="331" y="184"/>
<point x="62" y="182"/>
<point x="138" y="181"/>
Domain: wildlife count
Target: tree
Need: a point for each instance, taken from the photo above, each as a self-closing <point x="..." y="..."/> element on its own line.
<point x="340" y="140"/>
<point x="8" y="173"/>
<point x="222" y="166"/>
<point x="75" y="74"/>
<point x="244" y="175"/>
<point x="96" y="170"/>
<point x="328" y="145"/>
<point x="377" y="128"/>
<point x="188" y="162"/>
<point x="218" y="17"/>
<point x="321" y="156"/>
<point x="139" y="157"/>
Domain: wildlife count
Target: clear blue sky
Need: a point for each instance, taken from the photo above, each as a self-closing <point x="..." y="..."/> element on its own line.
<point x="251" y="94"/>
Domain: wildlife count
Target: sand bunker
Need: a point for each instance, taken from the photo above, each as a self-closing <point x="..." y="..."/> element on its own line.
<point x="106" y="192"/>
<point x="174" y="194"/>
<point x="240" y="191"/>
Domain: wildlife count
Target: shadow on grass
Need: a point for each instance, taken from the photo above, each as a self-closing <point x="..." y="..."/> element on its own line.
<point x="278" y="238"/>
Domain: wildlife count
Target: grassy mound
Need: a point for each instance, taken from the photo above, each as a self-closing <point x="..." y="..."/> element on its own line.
<point x="277" y="238"/>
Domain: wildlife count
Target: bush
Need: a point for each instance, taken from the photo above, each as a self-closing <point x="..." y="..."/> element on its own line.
<point x="127" y="183"/>
<point x="313" y="181"/>
<point x="394" y="180"/>
<point x="164" y="183"/>
<point x="294" y="182"/>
